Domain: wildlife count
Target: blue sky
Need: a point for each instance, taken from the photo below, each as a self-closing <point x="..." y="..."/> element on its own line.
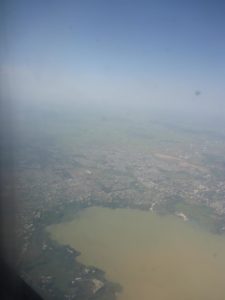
<point x="153" y="52"/>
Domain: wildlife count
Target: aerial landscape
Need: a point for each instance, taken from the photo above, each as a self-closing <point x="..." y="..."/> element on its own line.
<point x="109" y="161"/>
<point x="113" y="148"/>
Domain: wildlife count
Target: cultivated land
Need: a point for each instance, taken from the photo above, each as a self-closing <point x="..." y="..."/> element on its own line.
<point x="64" y="163"/>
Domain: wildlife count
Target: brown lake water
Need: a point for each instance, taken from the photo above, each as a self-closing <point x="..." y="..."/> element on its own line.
<point x="151" y="256"/>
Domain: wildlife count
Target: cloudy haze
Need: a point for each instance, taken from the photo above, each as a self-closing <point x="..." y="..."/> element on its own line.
<point x="167" y="55"/>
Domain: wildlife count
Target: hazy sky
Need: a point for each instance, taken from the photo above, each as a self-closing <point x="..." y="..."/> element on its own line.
<point x="168" y="54"/>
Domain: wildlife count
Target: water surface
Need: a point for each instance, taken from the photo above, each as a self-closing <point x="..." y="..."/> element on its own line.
<point x="151" y="256"/>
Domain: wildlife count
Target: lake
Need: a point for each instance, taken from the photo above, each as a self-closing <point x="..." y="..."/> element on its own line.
<point x="150" y="256"/>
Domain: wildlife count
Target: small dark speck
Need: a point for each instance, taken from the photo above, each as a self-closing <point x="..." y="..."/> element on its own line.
<point x="214" y="255"/>
<point x="197" y="93"/>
